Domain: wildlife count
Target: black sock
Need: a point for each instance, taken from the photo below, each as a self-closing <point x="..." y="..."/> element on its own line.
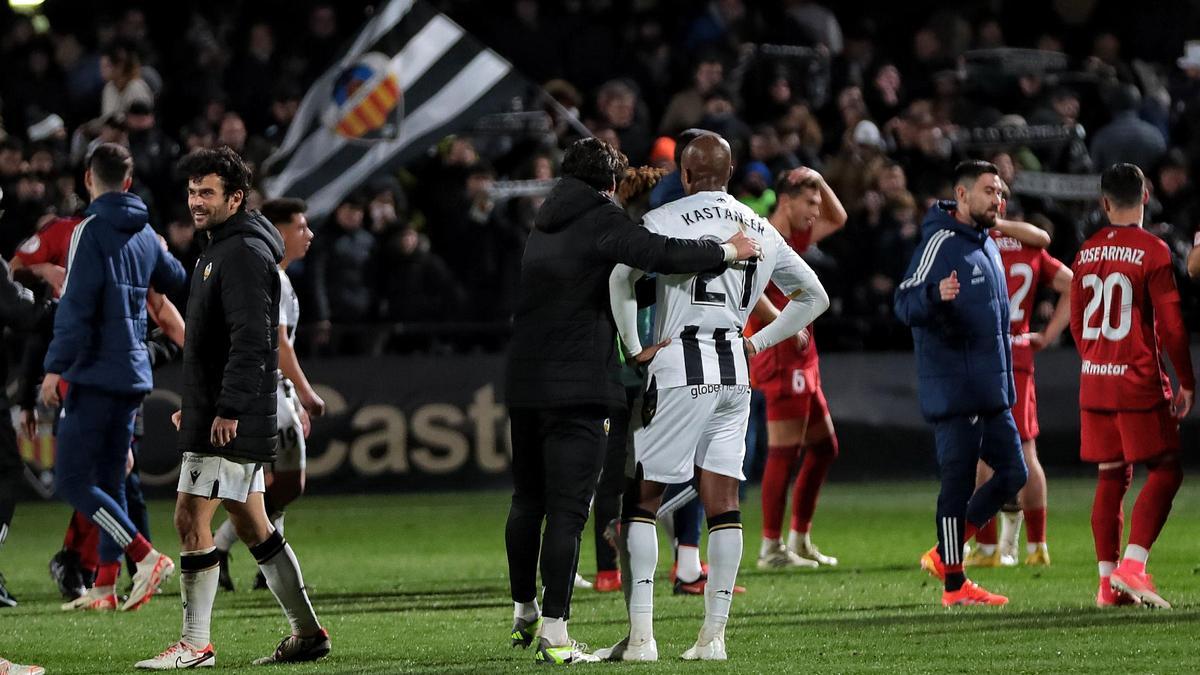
<point x="955" y="581"/>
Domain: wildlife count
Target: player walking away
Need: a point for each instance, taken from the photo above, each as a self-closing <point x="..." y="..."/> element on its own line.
<point x="227" y="425"/>
<point x="561" y="380"/>
<point x="696" y="406"/>
<point x="295" y="398"/>
<point x="964" y="368"/>
<point x="98" y="346"/>
<point x="1028" y="267"/>
<point x="1124" y="315"/>
<point x="799" y="428"/>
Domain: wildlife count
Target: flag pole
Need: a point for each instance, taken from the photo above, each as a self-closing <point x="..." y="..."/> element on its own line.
<point x="566" y="114"/>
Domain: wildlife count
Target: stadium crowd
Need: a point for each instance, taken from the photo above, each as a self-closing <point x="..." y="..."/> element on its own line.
<point x="883" y="110"/>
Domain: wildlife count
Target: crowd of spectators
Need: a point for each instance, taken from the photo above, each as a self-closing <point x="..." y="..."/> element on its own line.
<point x="882" y="103"/>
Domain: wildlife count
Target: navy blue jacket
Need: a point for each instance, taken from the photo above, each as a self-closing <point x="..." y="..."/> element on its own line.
<point x="964" y="353"/>
<point x="100" y="327"/>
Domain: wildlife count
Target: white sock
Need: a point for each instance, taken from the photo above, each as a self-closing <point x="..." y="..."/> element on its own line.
<point x="526" y="610"/>
<point x="198" y="590"/>
<point x="277" y="520"/>
<point x="689" y="568"/>
<point x="987" y="549"/>
<point x="1106" y="569"/>
<point x="1032" y="547"/>
<point x="554" y="631"/>
<point x="1135" y="552"/>
<point x="643" y="561"/>
<point x="797" y="540"/>
<point x="282" y="571"/>
<point x="724" y="557"/>
<point x="224" y="538"/>
<point x="768" y="547"/>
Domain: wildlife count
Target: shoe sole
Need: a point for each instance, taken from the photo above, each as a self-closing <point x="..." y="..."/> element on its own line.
<point x="1147" y="598"/>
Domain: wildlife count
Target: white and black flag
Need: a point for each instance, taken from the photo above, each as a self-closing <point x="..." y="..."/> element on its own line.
<point x="410" y="77"/>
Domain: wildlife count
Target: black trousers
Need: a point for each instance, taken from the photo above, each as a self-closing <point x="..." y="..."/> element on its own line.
<point x="612" y="481"/>
<point x="557" y="453"/>
<point x="12" y="468"/>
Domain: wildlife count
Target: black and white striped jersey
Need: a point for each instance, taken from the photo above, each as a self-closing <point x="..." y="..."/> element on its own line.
<point x="704" y="314"/>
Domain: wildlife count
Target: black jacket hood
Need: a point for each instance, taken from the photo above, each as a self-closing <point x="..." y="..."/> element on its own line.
<point x="569" y="199"/>
<point x="254" y="224"/>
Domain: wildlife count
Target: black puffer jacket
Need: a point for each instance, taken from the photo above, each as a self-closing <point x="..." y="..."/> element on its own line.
<point x="232" y="346"/>
<point x="563" y="351"/>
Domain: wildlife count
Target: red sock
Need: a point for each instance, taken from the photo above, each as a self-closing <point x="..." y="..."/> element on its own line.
<point x="138" y="548"/>
<point x="776" y="474"/>
<point x="85" y="540"/>
<point x="1153" y="503"/>
<point x="815" y="466"/>
<point x="1108" y="516"/>
<point x="1035" y="521"/>
<point x="986" y="535"/>
<point x="107" y="574"/>
<point x="969" y="531"/>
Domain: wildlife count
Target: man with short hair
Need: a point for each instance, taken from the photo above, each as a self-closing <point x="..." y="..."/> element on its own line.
<point x="227" y="424"/>
<point x="295" y="398"/>
<point x="1124" y="315"/>
<point x="697" y="401"/>
<point x="964" y="368"/>
<point x="99" y="348"/>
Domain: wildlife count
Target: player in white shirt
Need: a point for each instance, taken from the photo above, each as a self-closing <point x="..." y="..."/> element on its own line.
<point x="697" y="402"/>
<point x="295" y="397"/>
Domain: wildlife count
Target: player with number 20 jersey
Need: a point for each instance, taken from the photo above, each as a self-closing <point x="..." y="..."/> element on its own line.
<point x="1124" y="314"/>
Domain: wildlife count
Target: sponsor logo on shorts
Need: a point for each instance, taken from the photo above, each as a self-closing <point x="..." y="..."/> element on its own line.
<point x="707" y="389"/>
<point x="194" y="475"/>
<point x="1110" y="369"/>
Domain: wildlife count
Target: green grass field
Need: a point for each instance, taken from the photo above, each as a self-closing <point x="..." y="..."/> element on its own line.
<point x="417" y="583"/>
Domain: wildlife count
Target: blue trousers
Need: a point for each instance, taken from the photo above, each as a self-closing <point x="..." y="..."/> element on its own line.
<point x="961" y="443"/>
<point x="94" y="433"/>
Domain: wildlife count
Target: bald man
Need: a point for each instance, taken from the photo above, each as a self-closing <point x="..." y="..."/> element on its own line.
<point x="697" y="400"/>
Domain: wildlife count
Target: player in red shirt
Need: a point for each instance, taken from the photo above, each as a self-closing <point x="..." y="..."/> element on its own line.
<point x="1028" y="267"/>
<point x="799" y="429"/>
<point x="1124" y="315"/>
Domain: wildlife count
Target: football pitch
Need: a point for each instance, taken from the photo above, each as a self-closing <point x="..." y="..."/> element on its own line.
<point x="417" y="583"/>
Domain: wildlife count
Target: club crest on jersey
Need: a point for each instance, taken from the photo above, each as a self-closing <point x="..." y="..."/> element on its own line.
<point x="207" y="271"/>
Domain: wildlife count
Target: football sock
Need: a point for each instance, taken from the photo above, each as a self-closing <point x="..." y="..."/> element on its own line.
<point x="814" y="467"/>
<point x="1035" y="521"/>
<point x="554" y="631"/>
<point x="526" y="610"/>
<point x="225" y="536"/>
<point x="1108" y="519"/>
<point x="643" y="561"/>
<point x="198" y="588"/>
<point x="724" y="557"/>
<point x="797" y="540"/>
<point x="987" y="535"/>
<point x="282" y="572"/>
<point x="139" y="548"/>
<point x="689" y="568"/>
<point x="767" y="547"/>
<point x="1106" y="568"/>
<point x="277" y="519"/>
<point x="106" y="575"/>
<point x="955" y="577"/>
<point x="986" y="549"/>
<point x="776" y="474"/>
<point x="1153" y="503"/>
<point x="1135" y="558"/>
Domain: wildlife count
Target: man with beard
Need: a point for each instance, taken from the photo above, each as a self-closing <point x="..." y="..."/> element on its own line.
<point x="964" y="368"/>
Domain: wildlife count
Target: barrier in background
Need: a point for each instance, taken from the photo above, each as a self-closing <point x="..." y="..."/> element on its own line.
<point x="438" y="423"/>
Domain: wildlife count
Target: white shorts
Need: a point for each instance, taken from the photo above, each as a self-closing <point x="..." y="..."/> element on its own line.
<point x="218" y="478"/>
<point x="291" y="433"/>
<point x="681" y="428"/>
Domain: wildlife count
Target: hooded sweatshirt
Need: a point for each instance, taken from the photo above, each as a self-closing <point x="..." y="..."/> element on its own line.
<point x="964" y="353"/>
<point x="232" y="347"/>
<point x="563" y="351"/>
<point x="100" y="326"/>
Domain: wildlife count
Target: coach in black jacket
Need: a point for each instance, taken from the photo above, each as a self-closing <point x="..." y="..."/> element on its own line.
<point x="563" y="376"/>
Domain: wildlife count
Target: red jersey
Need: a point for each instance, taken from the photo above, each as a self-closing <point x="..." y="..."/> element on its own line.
<point x="1027" y="269"/>
<point x="787" y="353"/>
<point x="1124" y="313"/>
<point x="51" y="244"/>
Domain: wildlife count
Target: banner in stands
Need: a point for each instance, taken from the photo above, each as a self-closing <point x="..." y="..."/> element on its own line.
<point x="439" y="423"/>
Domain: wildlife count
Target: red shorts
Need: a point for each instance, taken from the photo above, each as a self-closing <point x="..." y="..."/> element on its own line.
<point x="1025" y="409"/>
<point x="795" y="394"/>
<point x="1129" y="436"/>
